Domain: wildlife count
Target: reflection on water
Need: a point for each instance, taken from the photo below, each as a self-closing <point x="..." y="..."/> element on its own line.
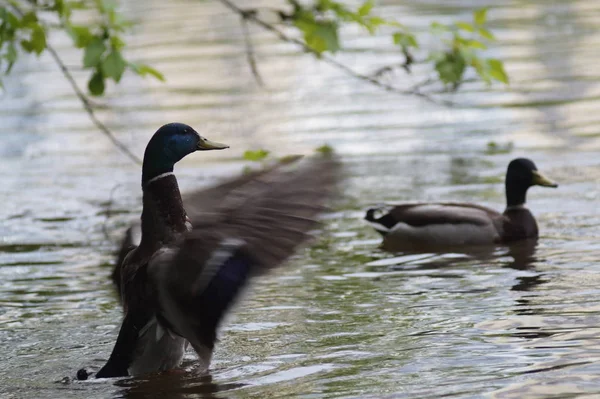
<point x="172" y="385"/>
<point x="345" y="319"/>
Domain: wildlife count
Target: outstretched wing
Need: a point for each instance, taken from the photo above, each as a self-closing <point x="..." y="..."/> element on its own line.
<point x="130" y="241"/>
<point x="256" y="227"/>
<point x="195" y="203"/>
<point x="199" y="202"/>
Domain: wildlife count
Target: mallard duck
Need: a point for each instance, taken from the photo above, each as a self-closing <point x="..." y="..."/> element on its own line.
<point x="188" y="270"/>
<point x="426" y="226"/>
<point x="194" y="203"/>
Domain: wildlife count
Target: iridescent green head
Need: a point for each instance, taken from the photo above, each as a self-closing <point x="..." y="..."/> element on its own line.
<point x="520" y="175"/>
<point x="169" y="145"/>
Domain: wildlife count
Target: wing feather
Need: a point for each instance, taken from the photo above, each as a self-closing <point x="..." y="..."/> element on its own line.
<point x="197" y="204"/>
<point x="256" y="227"/>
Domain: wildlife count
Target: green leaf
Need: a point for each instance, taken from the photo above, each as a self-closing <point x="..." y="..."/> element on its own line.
<point x="481" y="70"/>
<point x="437" y="28"/>
<point x="10" y="56"/>
<point x="340" y="10"/>
<point x="81" y="35"/>
<point x="29" y="20"/>
<point x="61" y="8"/>
<point x="372" y="23"/>
<point x="11" y="18"/>
<point x="479" y="16"/>
<point x="93" y="52"/>
<point x="465" y="26"/>
<point x="27" y="46"/>
<point x="497" y="71"/>
<point x="116" y="42"/>
<point x="494" y="148"/>
<point x="38" y="39"/>
<point x="366" y="8"/>
<point x="467" y="54"/>
<point x="320" y="35"/>
<point x="451" y="68"/>
<point x="96" y="84"/>
<point x="255" y="156"/>
<point x="117" y="21"/>
<point x="436" y="56"/>
<point x="114" y="65"/>
<point x="486" y="34"/>
<point x="395" y="24"/>
<point x="405" y="39"/>
<point x="112" y="18"/>
<point x="475" y="44"/>
<point x="11" y="53"/>
<point x="144" y="70"/>
<point x="325" y="150"/>
<point x="325" y="37"/>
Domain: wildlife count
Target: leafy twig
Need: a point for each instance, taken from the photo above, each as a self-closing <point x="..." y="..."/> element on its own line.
<point x="85" y="101"/>
<point x="252" y="17"/>
<point x="87" y="105"/>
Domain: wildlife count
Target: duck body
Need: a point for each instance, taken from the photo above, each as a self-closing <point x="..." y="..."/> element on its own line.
<point x="451" y="225"/>
<point x="154" y="348"/>
<point x="431" y="226"/>
<point x="186" y="273"/>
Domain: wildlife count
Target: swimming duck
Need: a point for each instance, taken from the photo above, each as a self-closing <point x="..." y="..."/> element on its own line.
<point x="426" y="226"/>
<point x="187" y="271"/>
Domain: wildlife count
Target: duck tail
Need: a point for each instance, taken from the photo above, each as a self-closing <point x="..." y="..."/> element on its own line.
<point x="128" y="243"/>
<point x="370" y="215"/>
<point x="376" y="222"/>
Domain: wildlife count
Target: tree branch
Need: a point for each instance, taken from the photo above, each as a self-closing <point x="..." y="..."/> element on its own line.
<point x="87" y="105"/>
<point x="250" y="52"/>
<point x="251" y="16"/>
<point x="85" y="101"/>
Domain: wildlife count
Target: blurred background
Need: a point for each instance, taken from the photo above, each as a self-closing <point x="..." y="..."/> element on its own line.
<point x="344" y="319"/>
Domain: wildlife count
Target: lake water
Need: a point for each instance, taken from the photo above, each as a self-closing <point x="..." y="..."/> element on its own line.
<point x="343" y="319"/>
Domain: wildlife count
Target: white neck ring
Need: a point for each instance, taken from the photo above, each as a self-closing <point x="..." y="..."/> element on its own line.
<point x="162" y="175"/>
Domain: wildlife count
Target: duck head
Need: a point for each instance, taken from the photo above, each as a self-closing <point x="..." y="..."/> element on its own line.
<point x="171" y="143"/>
<point x="520" y="175"/>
